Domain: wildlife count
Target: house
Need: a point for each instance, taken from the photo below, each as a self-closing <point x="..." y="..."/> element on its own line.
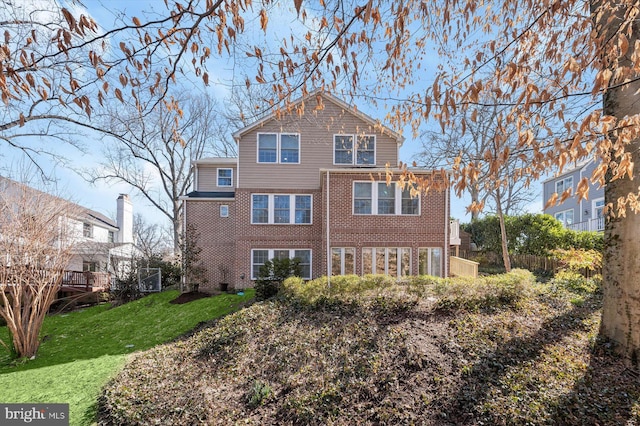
<point x="311" y="183"/>
<point x="583" y="215"/>
<point x="99" y="243"/>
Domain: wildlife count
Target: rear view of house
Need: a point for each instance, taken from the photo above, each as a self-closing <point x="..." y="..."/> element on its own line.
<point x="312" y="183"/>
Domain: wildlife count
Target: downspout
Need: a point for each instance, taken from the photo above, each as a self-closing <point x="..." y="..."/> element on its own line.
<point x="184" y="231"/>
<point x="446" y="232"/>
<point x="328" y="236"/>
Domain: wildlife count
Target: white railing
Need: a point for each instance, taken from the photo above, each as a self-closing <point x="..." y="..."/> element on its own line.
<point x="596" y="224"/>
<point x="463" y="268"/>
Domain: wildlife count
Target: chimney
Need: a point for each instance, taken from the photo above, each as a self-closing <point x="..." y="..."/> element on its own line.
<point x="124" y="217"/>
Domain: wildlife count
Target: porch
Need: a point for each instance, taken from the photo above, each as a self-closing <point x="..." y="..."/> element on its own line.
<point x="595" y="225"/>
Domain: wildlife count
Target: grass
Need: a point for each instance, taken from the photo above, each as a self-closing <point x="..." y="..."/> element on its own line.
<point x="82" y="350"/>
<point x="499" y="350"/>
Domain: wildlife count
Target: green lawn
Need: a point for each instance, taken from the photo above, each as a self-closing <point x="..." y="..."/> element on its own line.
<point x="82" y="350"/>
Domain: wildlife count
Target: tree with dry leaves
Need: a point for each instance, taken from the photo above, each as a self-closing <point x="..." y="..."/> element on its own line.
<point x="37" y="237"/>
<point x="547" y="58"/>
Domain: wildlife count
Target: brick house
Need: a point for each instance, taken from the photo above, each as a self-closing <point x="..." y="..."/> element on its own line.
<point x="311" y="183"/>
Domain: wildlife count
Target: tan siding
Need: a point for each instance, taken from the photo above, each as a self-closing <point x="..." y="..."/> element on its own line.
<point x="208" y="177"/>
<point x="316" y="129"/>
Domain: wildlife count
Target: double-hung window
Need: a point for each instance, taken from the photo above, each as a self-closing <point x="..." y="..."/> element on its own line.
<point x="362" y="152"/>
<point x="225" y="177"/>
<point x="281" y="148"/>
<point x="566" y="217"/>
<point x="260" y="256"/>
<point x="380" y="198"/>
<point x="564" y="184"/>
<point x="281" y="209"/>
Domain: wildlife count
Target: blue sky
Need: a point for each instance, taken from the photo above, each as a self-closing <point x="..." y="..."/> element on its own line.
<point x="102" y="196"/>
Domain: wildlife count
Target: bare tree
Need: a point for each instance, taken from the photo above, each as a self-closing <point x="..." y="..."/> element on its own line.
<point x="150" y="238"/>
<point x="36" y="242"/>
<point x="153" y="151"/>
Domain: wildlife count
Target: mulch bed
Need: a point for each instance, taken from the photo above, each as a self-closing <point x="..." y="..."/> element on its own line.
<point x="189" y="297"/>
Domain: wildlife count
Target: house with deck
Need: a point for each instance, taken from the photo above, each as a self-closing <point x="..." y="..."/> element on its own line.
<point x="102" y="247"/>
<point x="321" y="182"/>
<point x="582" y="215"/>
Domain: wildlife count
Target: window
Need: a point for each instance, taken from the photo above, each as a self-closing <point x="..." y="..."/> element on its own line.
<point x="279" y="148"/>
<point x="224" y="210"/>
<point x="564" y="184"/>
<point x="258" y="257"/>
<point x="430" y="261"/>
<point x="382" y="199"/>
<point x="384" y="260"/>
<point x="598" y="208"/>
<point x="111" y="237"/>
<point x="363" y="153"/>
<point x="281" y="209"/>
<point x="342" y="261"/>
<point x="566" y="217"/>
<point x="225" y="177"/>
<point x="89" y="266"/>
<point x="87" y="230"/>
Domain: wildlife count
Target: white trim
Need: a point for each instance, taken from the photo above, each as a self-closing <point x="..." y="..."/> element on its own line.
<point x="354" y="148"/>
<point x="270" y="256"/>
<point x="278" y="136"/>
<point x="447" y="231"/>
<point x="218" y="169"/>
<point x="374" y="250"/>
<point x="224" y="206"/>
<point x="374" y="200"/>
<point x="292" y="209"/>
<point x="328" y="193"/>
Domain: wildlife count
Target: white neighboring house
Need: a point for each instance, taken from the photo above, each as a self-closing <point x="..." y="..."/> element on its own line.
<point x="101" y="244"/>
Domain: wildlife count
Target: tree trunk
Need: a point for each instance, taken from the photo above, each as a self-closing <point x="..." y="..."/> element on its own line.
<point x="621" y="265"/>
<point x="503" y="234"/>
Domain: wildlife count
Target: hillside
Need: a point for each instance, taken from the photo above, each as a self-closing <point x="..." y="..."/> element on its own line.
<point x="500" y="350"/>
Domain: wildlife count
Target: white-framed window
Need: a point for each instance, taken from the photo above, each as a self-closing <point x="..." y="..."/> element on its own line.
<point x="260" y="256"/>
<point x="224" y="210"/>
<point x="565" y="216"/>
<point x="281" y="148"/>
<point x="225" y="177"/>
<point x="89" y="266"/>
<point x="564" y="184"/>
<point x="87" y="230"/>
<point x="343" y="260"/>
<point x="378" y="198"/>
<point x="292" y="209"/>
<point x="111" y="237"/>
<point x="430" y="261"/>
<point x="598" y="208"/>
<point x="394" y="261"/>
<point x="363" y="152"/>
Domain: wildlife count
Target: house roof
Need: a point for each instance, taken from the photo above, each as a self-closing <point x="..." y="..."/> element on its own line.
<point x="84" y="214"/>
<point x="578" y="166"/>
<point x="329" y="97"/>
<point x="211" y="194"/>
<point x="216" y="160"/>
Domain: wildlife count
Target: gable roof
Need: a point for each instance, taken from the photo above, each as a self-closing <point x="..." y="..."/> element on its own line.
<point x="84" y="214"/>
<point x="329" y="97"/>
<point x="578" y="166"/>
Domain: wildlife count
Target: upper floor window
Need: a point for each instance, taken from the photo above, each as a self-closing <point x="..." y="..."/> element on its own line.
<point x="280" y="209"/>
<point x="224" y="210"/>
<point x="564" y="184"/>
<point x="111" y="237"/>
<point x="279" y="148"/>
<point x="363" y="153"/>
<point x="87" y="230"/>
<point x="383" y="199"/>
<point x="225" y="177"/>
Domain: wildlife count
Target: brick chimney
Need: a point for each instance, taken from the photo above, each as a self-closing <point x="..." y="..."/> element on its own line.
<point x="124" y="218"/>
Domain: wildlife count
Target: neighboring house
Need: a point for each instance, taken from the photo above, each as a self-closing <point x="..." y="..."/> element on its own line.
<point x="583" y="215"/>
<point x="311" y="184"/>
<point x="100" y="244"/>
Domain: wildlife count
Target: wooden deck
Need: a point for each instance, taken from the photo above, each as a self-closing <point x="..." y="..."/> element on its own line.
<point x="85" y="282"/>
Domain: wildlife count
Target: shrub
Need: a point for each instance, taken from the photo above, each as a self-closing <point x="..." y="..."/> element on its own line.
<point x="272" y="274"/>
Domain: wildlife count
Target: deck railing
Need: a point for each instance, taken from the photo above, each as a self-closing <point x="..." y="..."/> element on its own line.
<point x="463" y="268"/>
<point x="87" y="279"/>
<point x="596" y="225"/>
